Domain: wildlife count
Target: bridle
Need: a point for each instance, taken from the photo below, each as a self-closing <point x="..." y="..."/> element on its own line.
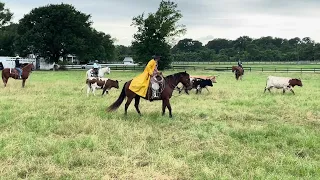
<point x="26" y="66"/>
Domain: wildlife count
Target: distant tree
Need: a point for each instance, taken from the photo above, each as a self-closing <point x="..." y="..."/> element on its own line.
<point x="121" y="52"/>
<point x="54" y="31"/>
<point x="242" y="42"/>
<point x="98" y="46"/>
<point x="154" y="33"/>
<point x="5" y="15"/>
<point x="245" y="48"/>
<point x="8" y="35"/>
<point x="188" y="45"/>
<point x="218" y="44"/>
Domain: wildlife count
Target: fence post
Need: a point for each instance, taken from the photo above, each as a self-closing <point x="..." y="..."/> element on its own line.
<point x="287" y="69"/>
<point x="250" y="69"/>
<point x="275" y="69"/>
<point x="262" y="69"/>
<point x="194" y="67"/>
<point x="301" y="70"/>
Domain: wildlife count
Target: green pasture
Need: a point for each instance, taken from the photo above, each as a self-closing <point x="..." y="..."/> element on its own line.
<point x="52" y="130"/>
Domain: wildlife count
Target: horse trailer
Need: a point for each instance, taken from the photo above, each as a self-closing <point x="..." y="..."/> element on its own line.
<point x="8" y="62"/>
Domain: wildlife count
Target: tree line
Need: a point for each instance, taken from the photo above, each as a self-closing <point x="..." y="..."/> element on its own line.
<point x="243" y="48"/>
<point x="57" y="30"/>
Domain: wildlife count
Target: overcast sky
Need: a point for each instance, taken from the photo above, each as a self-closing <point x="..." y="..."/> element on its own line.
<point x="204" y="19"/>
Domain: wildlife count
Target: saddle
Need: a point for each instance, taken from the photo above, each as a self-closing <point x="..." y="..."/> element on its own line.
<point x="14" y="73"/>
<point x="156" y="87"/>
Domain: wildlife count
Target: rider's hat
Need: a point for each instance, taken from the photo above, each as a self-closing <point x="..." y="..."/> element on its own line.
<point x="156" y="57"/>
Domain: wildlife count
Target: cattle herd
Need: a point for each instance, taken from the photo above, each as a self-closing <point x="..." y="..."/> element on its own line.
<point x="197" y="82"/>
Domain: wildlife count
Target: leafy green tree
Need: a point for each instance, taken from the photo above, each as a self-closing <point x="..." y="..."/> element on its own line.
<point x="218" y="44"/>
<point x="154" y="33"/>
<point x="5" y="15"/>
<point x="121" y="52"/>
<point x="54" y="31"/>
<point x="8" y="35"/>
<point x="98" y="46"/>
<point x="188" y="45"/>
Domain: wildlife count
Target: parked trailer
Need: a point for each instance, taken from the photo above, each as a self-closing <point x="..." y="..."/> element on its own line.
<point x="8" y="62"/>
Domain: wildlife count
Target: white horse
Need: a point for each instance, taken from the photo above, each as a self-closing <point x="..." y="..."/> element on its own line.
<point x="101" y="72"/>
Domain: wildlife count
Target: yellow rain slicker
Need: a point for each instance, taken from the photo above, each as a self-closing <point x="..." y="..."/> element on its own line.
<point x="140" y="83"/>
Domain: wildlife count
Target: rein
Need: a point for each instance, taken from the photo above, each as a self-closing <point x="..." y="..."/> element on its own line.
<point x="26" y="66"/>
<point x="172" y="84"/>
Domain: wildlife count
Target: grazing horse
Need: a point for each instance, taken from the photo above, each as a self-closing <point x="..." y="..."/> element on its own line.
<point x="238" y="72"/>
<point x="101" y="72"/>
<point x="171" y="82"/>
<point x="13" y="73"/>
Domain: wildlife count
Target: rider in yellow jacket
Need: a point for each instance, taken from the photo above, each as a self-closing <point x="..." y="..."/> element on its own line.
<point x="140" y="83"/>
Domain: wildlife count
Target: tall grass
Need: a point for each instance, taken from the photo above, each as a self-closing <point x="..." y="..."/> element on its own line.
<point x="51" y="130"/>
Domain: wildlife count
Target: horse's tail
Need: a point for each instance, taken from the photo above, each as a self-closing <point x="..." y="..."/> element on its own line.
<point x="119" y="101"/>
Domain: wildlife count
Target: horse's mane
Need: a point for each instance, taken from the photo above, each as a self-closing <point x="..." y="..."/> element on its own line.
<point x="175" y="75"/>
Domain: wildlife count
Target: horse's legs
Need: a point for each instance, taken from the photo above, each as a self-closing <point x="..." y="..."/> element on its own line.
<point x="5" y="81"/>
<point x="163" y="107"/>
<point x="136" y="104"/>
<point x="167" y="103"/>
<point x="23" y="82"/>
<point x="127" y="105"/>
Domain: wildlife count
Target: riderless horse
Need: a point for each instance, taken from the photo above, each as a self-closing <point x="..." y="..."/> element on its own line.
<point x="170" y="82"/>
<point x="238" y="72"/>
<point x="101" y="73"/>
<point x="13" y="73"/>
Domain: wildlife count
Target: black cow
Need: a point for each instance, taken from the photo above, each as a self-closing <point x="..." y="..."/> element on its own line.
<point x="198" y="84"/>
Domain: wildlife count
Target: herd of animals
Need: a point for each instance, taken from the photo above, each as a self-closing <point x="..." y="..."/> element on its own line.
<point x="171" y="83"/>
<point x="197" y="82"/>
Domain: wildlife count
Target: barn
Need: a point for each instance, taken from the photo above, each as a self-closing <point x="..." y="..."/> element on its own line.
<point x="128" y="60"/>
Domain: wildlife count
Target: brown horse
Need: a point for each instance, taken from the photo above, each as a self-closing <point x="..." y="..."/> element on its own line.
<point x="238" y="72"/>
<point x="171" y="82"/>
<point x="13" y="73"/>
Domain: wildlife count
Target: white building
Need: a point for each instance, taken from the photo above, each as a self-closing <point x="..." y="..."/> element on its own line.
<point x="128" y="60"/>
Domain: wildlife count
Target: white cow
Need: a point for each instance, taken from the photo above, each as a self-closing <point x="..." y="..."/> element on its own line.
<point x="284" y="83"/>
<point x="101" y="72"/>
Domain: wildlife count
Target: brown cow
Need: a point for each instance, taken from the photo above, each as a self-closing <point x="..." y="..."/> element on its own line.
<point x="103" y="83"/>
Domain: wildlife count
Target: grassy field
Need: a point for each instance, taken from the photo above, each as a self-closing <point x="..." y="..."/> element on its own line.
<point x="51" y="130"/>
